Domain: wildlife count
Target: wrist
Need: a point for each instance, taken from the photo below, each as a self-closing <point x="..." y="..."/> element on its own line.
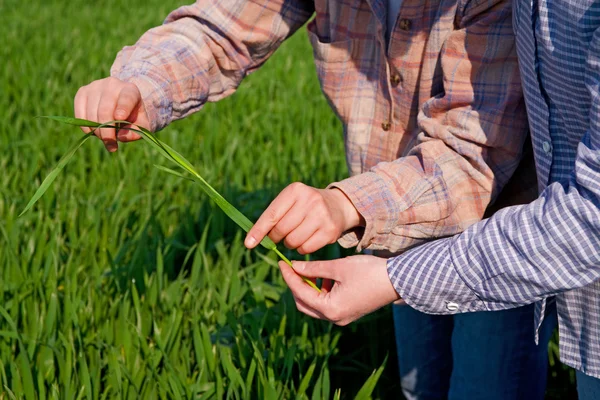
<point x="350" y="216"/>
<point x="387" y="290"/>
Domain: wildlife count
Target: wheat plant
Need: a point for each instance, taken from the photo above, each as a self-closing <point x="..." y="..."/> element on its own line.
<point x="170" y="154"/>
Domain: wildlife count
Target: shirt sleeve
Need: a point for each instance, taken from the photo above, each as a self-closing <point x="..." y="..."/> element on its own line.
<point x="203" y="51"/>
<point x="470" y="142"/>
<point x="524" y="253"/>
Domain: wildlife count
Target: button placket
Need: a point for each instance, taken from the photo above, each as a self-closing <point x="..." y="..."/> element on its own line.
<point x="386" y="125"/>
<point x="394" y="77"/>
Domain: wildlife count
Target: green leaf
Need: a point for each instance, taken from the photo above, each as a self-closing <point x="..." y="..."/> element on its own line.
<point x="235" y="378"/>
<point x="50" y="321"/>
<point x="84" y="374"/>
<point x="240" y="219"/>
<point x="209" y="356"/>
<point x="250" y="376"/>
<point x="73" y="121"/>
<point x="170" y="154"/>
<point x="26" y="376"/>
<point x="306" y="380"/>
<point x="172" y="172"/>
<point x="54" y="173"/>
<point x="367" y="389"/>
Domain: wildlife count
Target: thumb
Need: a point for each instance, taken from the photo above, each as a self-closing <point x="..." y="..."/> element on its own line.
<point x="317" y="269"/>
<point x="127" y="102"/>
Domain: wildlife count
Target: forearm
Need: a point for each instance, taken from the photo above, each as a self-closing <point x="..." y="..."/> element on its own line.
<point x="520" y="255"/>
<point x="203" y="51"/>
<point x="440" y="189"/>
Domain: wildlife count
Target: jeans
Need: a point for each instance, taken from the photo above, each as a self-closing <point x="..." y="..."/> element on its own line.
<point x="588" y="387"/>
<point x="473" y="356"/>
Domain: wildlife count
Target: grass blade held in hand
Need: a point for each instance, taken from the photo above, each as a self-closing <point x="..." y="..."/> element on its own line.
<point x="172" y="155"/>
<point x="173" y="172"/>
<point x="66" y="158"/>
<point x="74" y="121"/>
<point x="54" y="173"/>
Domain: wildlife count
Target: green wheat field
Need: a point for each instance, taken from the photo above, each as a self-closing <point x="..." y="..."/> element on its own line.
<point x="123" y="282"/>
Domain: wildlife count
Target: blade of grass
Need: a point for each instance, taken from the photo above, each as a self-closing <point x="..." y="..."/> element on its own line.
<point x="67" y="157"/>
<point x="240" y="219"/>
<point x="172" y="172"/>
<point x="232" y="212"/>
<point x="54" y="173"/>
<point x="73" y="121"/>
<point x="367" y="389"/>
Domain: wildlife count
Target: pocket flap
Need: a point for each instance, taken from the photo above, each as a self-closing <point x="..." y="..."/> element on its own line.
<point x="330" y="52"/>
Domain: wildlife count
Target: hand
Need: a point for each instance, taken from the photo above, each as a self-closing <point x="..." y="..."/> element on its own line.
<point x="354" y="286"/>
<point x="111" y="99"/>
<point x="305" y="218"/>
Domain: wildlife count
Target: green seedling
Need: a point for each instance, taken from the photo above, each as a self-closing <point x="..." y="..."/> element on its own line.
<point x="170" y="154"/>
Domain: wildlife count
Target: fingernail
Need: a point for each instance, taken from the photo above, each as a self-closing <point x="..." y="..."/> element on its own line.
<point x="250" y="241"/>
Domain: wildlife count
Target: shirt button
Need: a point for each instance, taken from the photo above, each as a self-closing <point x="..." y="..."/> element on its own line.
<point x="451" y="306"/>
<point x="386" y="126"/>
<point x="547" y="147"/>
<point x="395" y="80"/>
<point x="405" y="24"/>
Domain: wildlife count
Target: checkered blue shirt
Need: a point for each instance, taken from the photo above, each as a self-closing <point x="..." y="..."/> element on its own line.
<point x="550" y="247"/>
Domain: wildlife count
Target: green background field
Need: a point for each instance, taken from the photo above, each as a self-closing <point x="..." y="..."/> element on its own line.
<point x="126" y="282"/>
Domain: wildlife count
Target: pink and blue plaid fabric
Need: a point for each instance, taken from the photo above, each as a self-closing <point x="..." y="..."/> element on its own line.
<point x="434" y="122"/>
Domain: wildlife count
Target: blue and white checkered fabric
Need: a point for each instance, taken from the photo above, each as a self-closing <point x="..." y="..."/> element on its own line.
<point x="551" y="247"/>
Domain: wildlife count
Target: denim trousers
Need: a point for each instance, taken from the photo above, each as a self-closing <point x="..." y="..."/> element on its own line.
<point x="588" y="387"/>
<point x="472" y="356"/>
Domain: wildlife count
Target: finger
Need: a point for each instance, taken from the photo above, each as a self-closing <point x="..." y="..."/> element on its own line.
<point x="288" y="223"/>
<point x="327" y="285"/>
<point x="91" y="108"/>
<point x="303" y="308"/>
<point x="125" y="135"/>
<point x="318" y="269"/>
<point x="106" y="108"/>
<point x="128" y="100"/>
<point x="276" y="210"/>
<point x="300" y="289"/>
<point x="317" y="240"/>
<point x="79" y="106"/>
<point x="304" y="231"/>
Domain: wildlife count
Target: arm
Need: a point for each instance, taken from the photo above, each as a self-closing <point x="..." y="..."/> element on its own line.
<point x="521" y="254"/>
<point x="469" y="145"/>
<point x="204" y="50"/>
<point x="201" y="53"/>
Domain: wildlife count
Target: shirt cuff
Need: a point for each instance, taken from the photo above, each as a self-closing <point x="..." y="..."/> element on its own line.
<point x="369" y="194"/>
<point x="426" y="279"/>
<point x="155" y="93"/>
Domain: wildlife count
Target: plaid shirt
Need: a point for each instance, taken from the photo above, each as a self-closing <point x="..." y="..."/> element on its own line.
<point x="434" y="123"/>
<point x="529" y="253"/>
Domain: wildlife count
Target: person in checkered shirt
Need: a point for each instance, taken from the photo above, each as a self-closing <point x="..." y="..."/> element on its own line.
<point x="545" y="253"/>
<point x="434" y="124"/>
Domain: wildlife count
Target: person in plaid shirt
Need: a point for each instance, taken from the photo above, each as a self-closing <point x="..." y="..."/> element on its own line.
<point x="434" y="124"/>
<point x="546" y="252"/>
